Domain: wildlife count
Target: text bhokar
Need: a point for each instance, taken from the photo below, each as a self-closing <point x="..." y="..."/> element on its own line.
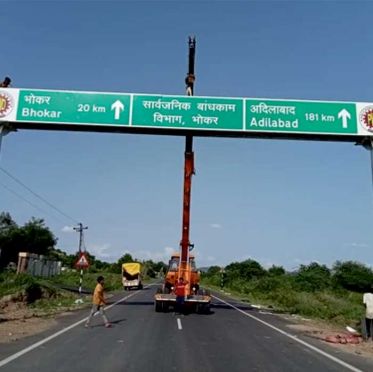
<point x="43" y="113"/>
<point x="178" y="119"/>
<point x="32" y="99"/>
<point x="270" y="122"/>
<point x="40" y="100"/>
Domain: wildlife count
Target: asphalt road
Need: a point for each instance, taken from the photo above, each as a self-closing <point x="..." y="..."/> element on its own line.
<point x="230" y="338"/>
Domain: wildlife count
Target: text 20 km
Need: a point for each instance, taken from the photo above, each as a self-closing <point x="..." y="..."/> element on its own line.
<point x="86" y="107"/>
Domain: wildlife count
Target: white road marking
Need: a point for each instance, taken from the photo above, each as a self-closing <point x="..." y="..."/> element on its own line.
<point x="179" y="324"/>
<point x="294" y="338"/>
<point x="64" y="330"/>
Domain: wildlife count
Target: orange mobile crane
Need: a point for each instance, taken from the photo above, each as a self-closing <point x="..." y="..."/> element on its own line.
<point x="183" y="264"/>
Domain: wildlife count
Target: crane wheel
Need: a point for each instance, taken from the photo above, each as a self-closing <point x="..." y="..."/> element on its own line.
<point x="158" y="306"/>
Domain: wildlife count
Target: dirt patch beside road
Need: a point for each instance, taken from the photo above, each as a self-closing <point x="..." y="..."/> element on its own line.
<point x="321" y="330"/>
<point x="11" y="331"/>
<point x="17" y="321"/>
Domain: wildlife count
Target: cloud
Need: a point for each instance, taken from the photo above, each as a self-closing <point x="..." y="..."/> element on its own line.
<point x="216" y="225"/>
<point x="268" y="264"/>
<point x="160" y="255"/>
<point x="359" y="245"/>
<point x="106" y="252"/>
<point x="67" y="229"/>
<point x="300" y="261"/>
<point x="165" y="255"/>
<point x="100" y="250"/>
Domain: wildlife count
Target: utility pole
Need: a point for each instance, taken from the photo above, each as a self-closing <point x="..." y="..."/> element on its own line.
<point x="4" y="128"/>
<point x="367" y="144"/>
<point x="80" y="230"/>
<point x="222" y="277"/>
<point x="185" y="244"/>
<point x="3" y="132"/>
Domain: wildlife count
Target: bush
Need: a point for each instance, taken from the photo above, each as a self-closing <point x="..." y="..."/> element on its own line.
<point x="33" y="292"/>
<point x="314" y="291"/>
<point x="24" y="280"/>
<point x="213" y="270"/>
<point x="270" y="284"/>
<point x="313" y="277"/>
<point x="248" y="269"/>
<point x="353" y="276"/>
<point x="276" y="271"/>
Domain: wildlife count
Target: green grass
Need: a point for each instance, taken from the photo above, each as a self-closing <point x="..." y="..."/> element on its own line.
<point x="10" y="283"/>
<point x="340" y="307"/>
<point x="113" y="282"/>
<point x="44" y="295"/>
<point x="64" y="301"/>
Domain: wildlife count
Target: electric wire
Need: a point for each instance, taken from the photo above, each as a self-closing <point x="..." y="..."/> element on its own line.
<point x="28" y="202"/>
<point x="38" y="196"/>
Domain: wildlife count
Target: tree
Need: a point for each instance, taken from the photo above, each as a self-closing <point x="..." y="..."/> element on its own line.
<point x="6" y="222"/>
<point x="125" y="259"/>
<point x="213" y="270"/>
<point x="248" y="269"/>
<point x="276" y="271"/>
<point x="37" y="238"/>
<point x="8" y="239"/>
<point x="313" y="277"/>
<point x="160" y="266"/>
<point x="353" y="276"/>
<point x="33" y="237"/>
<point x="117" y="267"/>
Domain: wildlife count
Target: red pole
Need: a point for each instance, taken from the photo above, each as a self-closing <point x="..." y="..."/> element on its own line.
<point x="188" y="172"/>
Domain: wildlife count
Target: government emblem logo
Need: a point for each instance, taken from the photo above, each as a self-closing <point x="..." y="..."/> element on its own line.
<point x="366" y="118"/>
<point x="6" y="104"/>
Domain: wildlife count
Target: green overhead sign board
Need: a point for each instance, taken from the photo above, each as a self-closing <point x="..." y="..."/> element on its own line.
<point x="168" y="114"/>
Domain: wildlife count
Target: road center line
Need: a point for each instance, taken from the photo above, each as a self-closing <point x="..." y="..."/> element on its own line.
<point x="179" y="324"/>
<point x="294" y="338"/>
<point x="62" y="331"/>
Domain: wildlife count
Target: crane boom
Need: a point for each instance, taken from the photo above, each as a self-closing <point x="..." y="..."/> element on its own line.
<point x="185" y="244"/>
<point x="183" y="265"/>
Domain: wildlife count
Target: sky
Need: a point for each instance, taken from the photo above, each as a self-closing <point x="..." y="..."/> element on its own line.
<point x="279" y="202"/>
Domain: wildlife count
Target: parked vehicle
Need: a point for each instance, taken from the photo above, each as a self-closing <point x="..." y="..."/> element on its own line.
<point x="131" y="275"/>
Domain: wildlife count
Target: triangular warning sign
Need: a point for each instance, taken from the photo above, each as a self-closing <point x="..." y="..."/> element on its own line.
<point x="82" y="261"/>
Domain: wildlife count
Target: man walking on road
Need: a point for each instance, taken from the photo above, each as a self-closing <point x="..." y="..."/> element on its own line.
<point x="98" y="302"/>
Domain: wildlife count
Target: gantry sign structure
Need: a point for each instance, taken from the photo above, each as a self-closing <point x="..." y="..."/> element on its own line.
<point x="185" y="115"/>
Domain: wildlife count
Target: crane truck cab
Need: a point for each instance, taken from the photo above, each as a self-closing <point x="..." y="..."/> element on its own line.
<point x="192" y="276"/>
<point x="196" y="298"/>
<point x="131" y="275"/>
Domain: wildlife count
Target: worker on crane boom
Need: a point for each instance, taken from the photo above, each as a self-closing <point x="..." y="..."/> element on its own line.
<point x="6" y="83"/>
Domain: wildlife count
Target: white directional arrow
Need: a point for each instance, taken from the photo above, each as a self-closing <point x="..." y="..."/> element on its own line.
<point x="344" y="114"/>
<point x="118" y="107"/>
